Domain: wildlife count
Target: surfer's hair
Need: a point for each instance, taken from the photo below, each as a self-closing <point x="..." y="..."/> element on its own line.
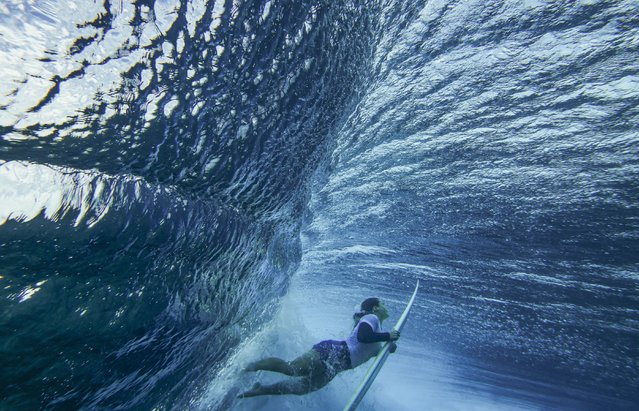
<point x="368" y="304"/>
<point x="366" y="307"/>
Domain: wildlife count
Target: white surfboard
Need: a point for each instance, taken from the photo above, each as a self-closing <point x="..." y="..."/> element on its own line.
<point x="379" y="360"/>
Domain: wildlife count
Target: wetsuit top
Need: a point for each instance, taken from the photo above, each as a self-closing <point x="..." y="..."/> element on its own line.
<point x="364" y="341"/>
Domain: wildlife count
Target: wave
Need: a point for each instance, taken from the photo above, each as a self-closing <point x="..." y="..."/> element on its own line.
<point x="166" y="166"/>
<point x="155" y="159"/>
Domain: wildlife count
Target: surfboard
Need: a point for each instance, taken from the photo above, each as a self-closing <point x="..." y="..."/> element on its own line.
<point x="380" y="359"/>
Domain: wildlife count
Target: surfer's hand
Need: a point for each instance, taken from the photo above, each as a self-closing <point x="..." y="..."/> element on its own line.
<point x="394" y="335"/>
<point x="392" y="347"/>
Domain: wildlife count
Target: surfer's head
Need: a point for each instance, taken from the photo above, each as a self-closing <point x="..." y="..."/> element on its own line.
<point x="374" y="306"/>
<point x="369" y="304"/>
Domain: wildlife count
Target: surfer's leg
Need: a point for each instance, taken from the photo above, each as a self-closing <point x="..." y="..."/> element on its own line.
<point x="305" y="364"/>
<point x="318" y="377"/>
<point x="270" y="364"/>
<point x="300" y="366"/>
<point x="298" y="386"/>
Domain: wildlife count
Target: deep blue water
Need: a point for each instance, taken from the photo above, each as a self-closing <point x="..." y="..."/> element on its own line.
<point x="187" y="185"/>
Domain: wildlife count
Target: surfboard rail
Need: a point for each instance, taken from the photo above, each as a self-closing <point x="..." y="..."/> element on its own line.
<point x="374" y="369"/>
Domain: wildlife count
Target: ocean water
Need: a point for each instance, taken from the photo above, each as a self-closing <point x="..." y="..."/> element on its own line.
<point x="186" y="186"/>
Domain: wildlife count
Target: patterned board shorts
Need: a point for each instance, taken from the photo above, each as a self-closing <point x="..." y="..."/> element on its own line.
<point x="334" y="355"/>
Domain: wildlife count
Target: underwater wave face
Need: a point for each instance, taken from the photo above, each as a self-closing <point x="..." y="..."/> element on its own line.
<point x="495" y="156"/>
<point x="154" y="160"/>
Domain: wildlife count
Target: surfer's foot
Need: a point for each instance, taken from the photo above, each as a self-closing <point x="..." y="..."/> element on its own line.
<point x="254" y="391"/>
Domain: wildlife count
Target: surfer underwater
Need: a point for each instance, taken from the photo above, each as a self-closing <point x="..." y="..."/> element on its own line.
<point x="328" y="358"/>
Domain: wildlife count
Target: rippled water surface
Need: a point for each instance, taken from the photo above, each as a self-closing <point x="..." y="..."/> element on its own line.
<point x="167" y="168"/>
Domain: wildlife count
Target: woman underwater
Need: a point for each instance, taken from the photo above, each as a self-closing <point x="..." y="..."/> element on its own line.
<point x="327" y="358"/>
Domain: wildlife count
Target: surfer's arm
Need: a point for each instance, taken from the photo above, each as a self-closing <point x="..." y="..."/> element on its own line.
<point x="365" y="334"/>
